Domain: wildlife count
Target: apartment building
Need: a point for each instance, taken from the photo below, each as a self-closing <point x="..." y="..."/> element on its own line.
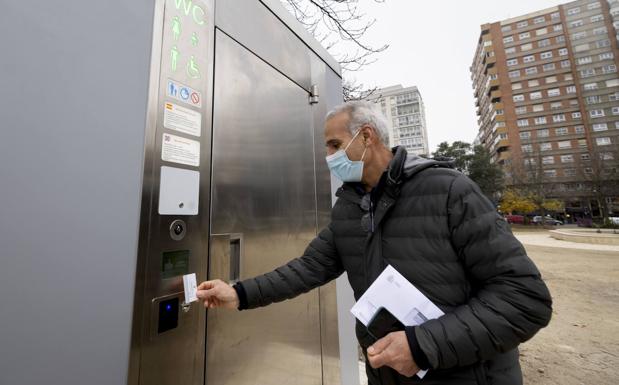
<point x="547" y="97"/>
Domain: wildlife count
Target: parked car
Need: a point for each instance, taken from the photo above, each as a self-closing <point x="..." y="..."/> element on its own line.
<point x="517" y="219"/>
<point x="548" y="220"/>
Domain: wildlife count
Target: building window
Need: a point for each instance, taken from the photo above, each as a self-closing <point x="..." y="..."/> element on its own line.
<point x="539" y="20"/>
<point x="523" y="122"/>
<point x="590" y="86"/>
<point x="543" y="133"/>
<point x="600" y="31"/>
<point x="510" y="50"/>
<point x="526" y="47"/>
<point x="516" y="86"/>
<point x="588" y="170"/>
<point x="506" y="28"/>
<point x="585" y="157"/>
<point x="554" y="92"/>
<point x="606" y="56"/>
<point x="528" y="59"/>
<point x="582" y="143"/>
<point x="526" y="148"/>
<point x="573" y="11"/>
<point x="518" y="98"/>
<point x="567" y="77"/>
<point x="565" y="144"/>
<point x="596" y="113"/>
<point x="514" y="74"/>
<point x="551" y="79"/>
<point x="594" y="5"/>
<point x="556" y="105"/>
<point x="561" y="131"/>
<point x="533" y="83"/>
<point x="538" y="108"/>
<point x="512" y="62"/>
<point x="549" y="67"/>
<point x="529" y="161"/>
<point x="608" y="69"/>
<point x="535" y="95"/>
<point x="576" y="115"/>
<point x="548" y="160"/>
<point x="558" y="118"/>
<point x="579" y="129"/>
<point x="567" y="158"/>
<point x="602" y="141"/>
<point x="576" y="23"/>
<point x="587" y="72"/>
<point x="521" y="110"/>
<point x="584" y="60"/>
<point x="600" y="127"/>
<point x="615" y="110"/>
<point x="579" y="35"/>
<point x="508" y="39"/>
<point x="569" y="172"/>
<point x="522" y="24"/>
<point x="545" y="146"/>
<point x="596" y="18"/>
<point x="525" y="135"/>
<point x="565" y="63"/>
<point x="570" y="89"/>
<point x="602" y="43"/>
<point x="563" y="51"/>
<point x="540" y="120"/>
<point x="593" y="99"/>
<point x="541" y="31"/>
<point x="531" y="70"/>
<point x="543" y="43"/>
<point x="546" y="55"/>
<point x="524" y="35"/>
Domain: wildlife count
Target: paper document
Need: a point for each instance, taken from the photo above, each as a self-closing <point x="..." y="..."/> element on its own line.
<point x="191" y="287"/>
<point x="396" y="294"/>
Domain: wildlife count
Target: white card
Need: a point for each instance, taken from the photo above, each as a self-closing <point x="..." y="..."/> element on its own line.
<point x="191" y="287"/>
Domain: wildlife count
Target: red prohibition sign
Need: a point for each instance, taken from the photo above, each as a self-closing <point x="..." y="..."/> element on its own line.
<point x="195" y="98"/>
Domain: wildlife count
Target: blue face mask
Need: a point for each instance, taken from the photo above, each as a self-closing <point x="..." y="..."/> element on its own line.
<point x="344" y="168"/>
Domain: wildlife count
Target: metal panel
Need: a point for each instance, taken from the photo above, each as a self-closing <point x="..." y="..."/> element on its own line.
<point x="73" y="116"/>
<point x="266" y="36"/>
<point x="263" y="188"/>
<point x="183" y="55"/>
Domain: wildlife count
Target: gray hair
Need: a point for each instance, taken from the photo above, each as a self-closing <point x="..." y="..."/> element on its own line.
<point x="361" y="113"/>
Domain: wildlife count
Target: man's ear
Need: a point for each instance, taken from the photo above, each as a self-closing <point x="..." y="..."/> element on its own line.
<point x="370" y="136"/>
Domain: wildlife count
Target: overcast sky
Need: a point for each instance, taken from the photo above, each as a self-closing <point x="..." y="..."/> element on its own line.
<point x="432" y="44"/>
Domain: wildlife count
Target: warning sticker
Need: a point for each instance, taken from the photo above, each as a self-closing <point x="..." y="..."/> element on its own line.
<point x="182" y="119"/>
<point x="183" y="93"/>
<point x="180" y="150"/>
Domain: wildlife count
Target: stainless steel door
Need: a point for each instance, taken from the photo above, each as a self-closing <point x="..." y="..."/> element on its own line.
<point x="263" y="197"/>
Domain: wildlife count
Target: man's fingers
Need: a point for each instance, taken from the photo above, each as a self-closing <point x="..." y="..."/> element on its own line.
<point x="380" y="345"/>
<point x="206" y="285"/>
<point x="378" y="360"/>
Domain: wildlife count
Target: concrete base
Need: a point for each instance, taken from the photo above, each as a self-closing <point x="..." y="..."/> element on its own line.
<point x="606" y="237"/>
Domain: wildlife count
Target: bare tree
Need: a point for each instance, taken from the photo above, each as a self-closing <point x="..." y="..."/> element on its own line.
<point x="601" y="176"/>
<point x="340" y="26"/>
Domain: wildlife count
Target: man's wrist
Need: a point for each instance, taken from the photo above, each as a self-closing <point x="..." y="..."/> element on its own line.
<point x="418" y="354"/>
<point x="241" y="295"/>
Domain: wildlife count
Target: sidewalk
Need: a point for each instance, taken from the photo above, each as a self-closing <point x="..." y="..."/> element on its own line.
<point x="543" y="238"/>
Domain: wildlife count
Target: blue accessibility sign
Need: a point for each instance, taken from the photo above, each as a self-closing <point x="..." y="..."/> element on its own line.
<point x="185" y="93"/>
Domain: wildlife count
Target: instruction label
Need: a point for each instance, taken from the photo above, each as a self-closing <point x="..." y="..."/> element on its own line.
<point x="176" y="149"/>
<point x="182" y="119"/>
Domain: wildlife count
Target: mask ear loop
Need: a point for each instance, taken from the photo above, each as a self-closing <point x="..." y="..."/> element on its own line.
<point x="352" y="140"/>
<point x="362" y="155"/>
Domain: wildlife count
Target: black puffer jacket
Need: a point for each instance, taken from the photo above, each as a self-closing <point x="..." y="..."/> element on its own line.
<point x="434" y="226"/>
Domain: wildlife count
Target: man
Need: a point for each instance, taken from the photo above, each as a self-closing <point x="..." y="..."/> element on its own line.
<point x="433" y="225"/>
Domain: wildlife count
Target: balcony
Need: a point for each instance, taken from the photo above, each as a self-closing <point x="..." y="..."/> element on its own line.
<point x="504" y="155"/>
<point x="495" y="96"/>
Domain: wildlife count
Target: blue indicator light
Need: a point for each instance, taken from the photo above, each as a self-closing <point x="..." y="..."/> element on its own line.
<point x="168" y="307"/>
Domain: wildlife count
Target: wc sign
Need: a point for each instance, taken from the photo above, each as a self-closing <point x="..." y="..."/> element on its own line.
<point x="183" y="93"/>
<point x="188" y="8"/>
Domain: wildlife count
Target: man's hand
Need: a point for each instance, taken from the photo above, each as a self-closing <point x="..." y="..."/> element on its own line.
<point x="393" y="351"/>
<point x="217" y="294"/>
